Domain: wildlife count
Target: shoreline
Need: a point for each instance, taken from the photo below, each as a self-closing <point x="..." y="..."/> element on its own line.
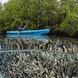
<point x="61" y="34"/>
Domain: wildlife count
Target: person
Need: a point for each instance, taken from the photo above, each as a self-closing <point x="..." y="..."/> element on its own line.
<point x="22" y="26"/>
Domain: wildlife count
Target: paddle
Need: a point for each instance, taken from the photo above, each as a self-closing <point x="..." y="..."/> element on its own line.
<point x="25" y="26"/>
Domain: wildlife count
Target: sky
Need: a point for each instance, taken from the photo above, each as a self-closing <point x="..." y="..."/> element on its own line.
<point x="3" y="1"/>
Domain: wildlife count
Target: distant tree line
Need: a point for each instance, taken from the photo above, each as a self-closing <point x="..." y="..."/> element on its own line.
<point x="39" y="14"/>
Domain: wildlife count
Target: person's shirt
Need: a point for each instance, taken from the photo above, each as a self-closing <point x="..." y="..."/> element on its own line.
<point x="21" y="26"/>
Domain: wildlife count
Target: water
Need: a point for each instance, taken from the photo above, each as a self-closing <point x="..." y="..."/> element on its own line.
<point x="1" y="76"/>
<point x="38" y="42"/>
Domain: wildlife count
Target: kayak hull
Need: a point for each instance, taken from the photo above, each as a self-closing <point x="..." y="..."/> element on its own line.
<point x="27" y="32"/>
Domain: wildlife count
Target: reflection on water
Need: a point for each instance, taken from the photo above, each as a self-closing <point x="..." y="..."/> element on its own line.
<point x="39" y="42"/>
<point x="27" y="36"/>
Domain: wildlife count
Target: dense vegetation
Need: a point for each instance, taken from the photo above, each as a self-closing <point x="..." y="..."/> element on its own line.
<point x="39" y="14"/>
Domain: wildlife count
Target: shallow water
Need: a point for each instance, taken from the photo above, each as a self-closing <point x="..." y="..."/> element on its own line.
<point x="1" y="76"/>
<point x="39" y="42"/>
<point x="36" y="64"/>
<point x="33" y="43"/>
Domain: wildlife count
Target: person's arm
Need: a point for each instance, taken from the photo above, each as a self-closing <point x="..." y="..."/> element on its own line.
<point x="19" y="28"/>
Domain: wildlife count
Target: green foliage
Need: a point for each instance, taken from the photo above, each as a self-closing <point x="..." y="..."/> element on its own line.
<point x="31" y="26"/>
<point x="70" y="25"/>
<point x="40" y="14"/>
<point x="15" y="24"/>
<point x="1" y="22"/>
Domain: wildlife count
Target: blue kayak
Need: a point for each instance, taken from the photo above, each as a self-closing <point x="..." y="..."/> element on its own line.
<point x="28" y="32"/>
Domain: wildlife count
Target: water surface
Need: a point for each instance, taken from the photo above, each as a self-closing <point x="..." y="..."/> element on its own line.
<point x="60" y="44"/>
<point x="38" y="47"/>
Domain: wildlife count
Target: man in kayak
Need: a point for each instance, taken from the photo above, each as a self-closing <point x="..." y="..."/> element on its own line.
<point x="22" y="26"/>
